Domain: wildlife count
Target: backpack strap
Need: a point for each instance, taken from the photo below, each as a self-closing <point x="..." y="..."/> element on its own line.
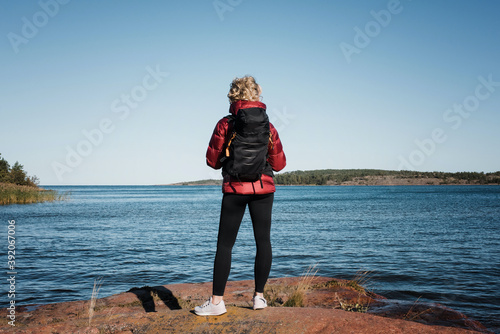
<point x="229" y="143"/>
<point x="229" y="118"/>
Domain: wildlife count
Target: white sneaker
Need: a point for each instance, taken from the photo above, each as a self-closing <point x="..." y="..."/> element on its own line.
<point x="210" y="309"/>
<point x="259" y="303"/>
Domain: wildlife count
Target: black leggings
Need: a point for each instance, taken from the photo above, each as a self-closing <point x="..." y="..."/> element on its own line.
<point x="233" y="208"/>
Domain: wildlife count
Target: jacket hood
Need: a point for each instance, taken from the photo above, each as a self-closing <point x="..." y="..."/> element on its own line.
<point x="243" y="104"/>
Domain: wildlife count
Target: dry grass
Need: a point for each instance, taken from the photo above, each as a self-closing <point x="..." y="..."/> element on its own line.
<point x="290" y="296"/>
<point x="359" y="306"/>
<point x="93" y="298"/>
<point x="412" y="315"/>
<point x="16" y="194"/>
<point x="293" y="296"/>
<point x="361" y="280"/>
<point x="296" y="299"/>
<point x="358" y="283"/>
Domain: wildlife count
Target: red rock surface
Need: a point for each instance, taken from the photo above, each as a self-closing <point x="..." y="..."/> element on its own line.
<point x="167" y="309"/>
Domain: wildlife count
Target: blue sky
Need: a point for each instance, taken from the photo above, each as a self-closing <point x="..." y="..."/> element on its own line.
<point x="128" y="92"/>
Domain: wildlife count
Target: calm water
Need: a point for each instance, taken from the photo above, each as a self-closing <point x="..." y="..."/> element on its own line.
<point x="440" y="243"/>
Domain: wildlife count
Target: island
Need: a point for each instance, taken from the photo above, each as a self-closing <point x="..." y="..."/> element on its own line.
<point x="371" y="177"/>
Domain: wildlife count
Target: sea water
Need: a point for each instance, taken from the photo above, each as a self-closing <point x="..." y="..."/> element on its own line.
<point x="437" y="243"/>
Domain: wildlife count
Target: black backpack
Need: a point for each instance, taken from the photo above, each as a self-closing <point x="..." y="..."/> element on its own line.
<point x="246" y="152"/>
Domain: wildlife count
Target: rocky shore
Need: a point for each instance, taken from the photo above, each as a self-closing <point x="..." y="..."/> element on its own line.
<point x="322" y="305"/>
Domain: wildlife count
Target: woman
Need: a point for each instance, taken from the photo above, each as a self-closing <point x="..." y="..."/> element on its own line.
<point x="244" y="94"/>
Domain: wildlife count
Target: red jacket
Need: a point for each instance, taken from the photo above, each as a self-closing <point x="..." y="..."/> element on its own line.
<point x="216" y="148"/>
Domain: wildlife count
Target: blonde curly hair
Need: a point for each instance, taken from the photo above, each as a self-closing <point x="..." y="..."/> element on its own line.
<point x="244" y="89"/>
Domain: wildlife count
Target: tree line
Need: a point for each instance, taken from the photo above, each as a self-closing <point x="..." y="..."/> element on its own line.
<point x="16" y="174"/>
<point x="338" y="176"/>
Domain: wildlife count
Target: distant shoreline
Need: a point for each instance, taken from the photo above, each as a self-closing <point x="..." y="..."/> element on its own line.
<point x="367" y="177"/>
<point x="189" y="184"/>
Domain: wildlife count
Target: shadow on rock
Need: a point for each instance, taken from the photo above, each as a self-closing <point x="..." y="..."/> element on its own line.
<point x="149" y="295"/>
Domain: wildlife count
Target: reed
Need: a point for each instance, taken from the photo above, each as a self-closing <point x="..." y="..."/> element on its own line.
<point x="15" y="194"/>
<point x="93" y="298"/>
